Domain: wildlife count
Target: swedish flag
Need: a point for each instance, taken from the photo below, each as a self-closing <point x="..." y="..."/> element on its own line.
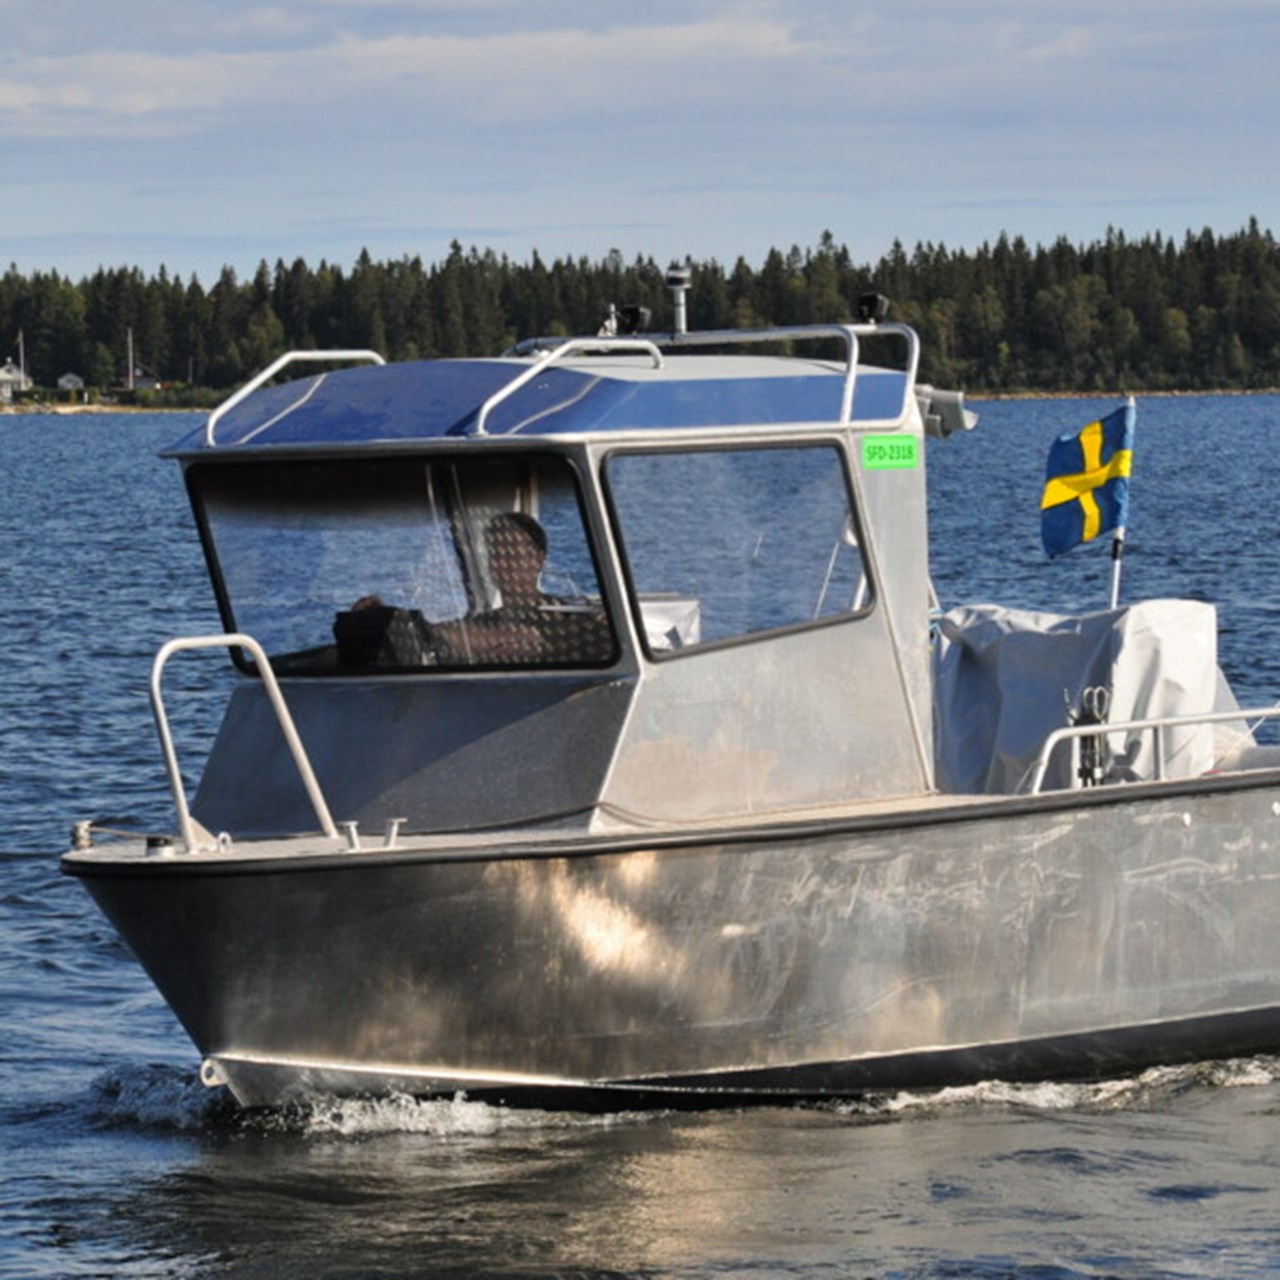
<point x="1086" y="489"/>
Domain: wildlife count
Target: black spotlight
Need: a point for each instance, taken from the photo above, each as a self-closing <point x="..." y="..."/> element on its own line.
<point x="871" y="308"/>
<point x="634" y="319"/>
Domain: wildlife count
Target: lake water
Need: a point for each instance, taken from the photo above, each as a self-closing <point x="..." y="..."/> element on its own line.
<point x="117" y="1163"/>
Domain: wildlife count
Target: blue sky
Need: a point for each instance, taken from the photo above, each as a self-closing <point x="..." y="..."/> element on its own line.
<point x="198" y="133"/>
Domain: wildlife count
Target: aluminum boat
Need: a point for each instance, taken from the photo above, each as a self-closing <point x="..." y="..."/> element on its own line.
<point x="596" y="737"/>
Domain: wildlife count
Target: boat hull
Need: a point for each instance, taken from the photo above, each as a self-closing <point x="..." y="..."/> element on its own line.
<point x="1060" y="936"/>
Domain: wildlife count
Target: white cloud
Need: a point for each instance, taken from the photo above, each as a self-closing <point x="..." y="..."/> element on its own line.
<point x="510" y="78"/>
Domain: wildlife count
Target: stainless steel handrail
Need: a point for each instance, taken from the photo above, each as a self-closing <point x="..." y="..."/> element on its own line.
<point x="188" y="826"/>
<point x="742" y="337"/>
<point x="1155" y="726"/>
<point x="571" y="347"/>
<point x="800" y="332"/>
<point x="265" y="376"/>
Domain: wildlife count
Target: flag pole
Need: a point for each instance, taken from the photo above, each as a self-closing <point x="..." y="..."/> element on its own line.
<point x="1117" y="558"/>
<point x="1117" y="543"/>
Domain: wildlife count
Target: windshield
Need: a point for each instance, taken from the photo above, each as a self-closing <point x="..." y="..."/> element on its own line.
<point x="401" y="563"/>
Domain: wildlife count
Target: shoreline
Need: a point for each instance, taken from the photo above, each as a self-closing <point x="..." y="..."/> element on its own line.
<point x="1118" y="395"/>
<point x="74" y="410"/>
<point x="976" y="397"/>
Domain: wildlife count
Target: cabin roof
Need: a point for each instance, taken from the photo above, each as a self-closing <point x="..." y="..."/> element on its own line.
<point x="442" y="399"/>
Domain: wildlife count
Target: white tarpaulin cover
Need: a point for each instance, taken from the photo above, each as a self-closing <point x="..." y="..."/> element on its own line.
<point x="1006" y="677"/>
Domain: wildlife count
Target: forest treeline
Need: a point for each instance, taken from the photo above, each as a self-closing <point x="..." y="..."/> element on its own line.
<point x="1119" y="314"/>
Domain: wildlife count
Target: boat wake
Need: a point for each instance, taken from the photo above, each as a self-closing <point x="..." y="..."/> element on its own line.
<point x="445" y="1118"/>
<point x="163" y="1096"/>
<point x="1150" y="1088"/>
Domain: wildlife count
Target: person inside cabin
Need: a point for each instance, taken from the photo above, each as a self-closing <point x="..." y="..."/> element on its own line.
<point x="526" y="626"/>
<point x="516" y="630"/>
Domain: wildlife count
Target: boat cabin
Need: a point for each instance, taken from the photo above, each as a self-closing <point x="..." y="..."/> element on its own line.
<point x="610" y="585"/>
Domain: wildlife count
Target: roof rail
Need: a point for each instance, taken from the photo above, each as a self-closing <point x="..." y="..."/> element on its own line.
<point x="851" y="333"/>
<point x="265" y="376"/>
<point x="571" y="347"/>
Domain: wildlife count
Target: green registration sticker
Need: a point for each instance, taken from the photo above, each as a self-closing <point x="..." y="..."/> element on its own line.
<point x="890" y="453"/>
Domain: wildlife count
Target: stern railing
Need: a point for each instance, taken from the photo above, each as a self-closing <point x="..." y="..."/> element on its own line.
<point x="1156" y="727"/>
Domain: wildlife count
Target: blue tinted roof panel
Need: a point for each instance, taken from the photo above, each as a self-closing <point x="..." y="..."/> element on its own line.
<point x="424" y="400"/>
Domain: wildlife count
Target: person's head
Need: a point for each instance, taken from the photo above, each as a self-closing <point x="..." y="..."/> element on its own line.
<point x="517" y="546"/>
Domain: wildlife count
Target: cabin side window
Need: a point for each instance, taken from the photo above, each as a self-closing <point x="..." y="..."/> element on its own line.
<point x="723" y="544"/>
<point x="395" y="564"/>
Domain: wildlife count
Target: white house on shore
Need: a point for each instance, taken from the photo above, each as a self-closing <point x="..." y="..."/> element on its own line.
<point x="12" y="381"/>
